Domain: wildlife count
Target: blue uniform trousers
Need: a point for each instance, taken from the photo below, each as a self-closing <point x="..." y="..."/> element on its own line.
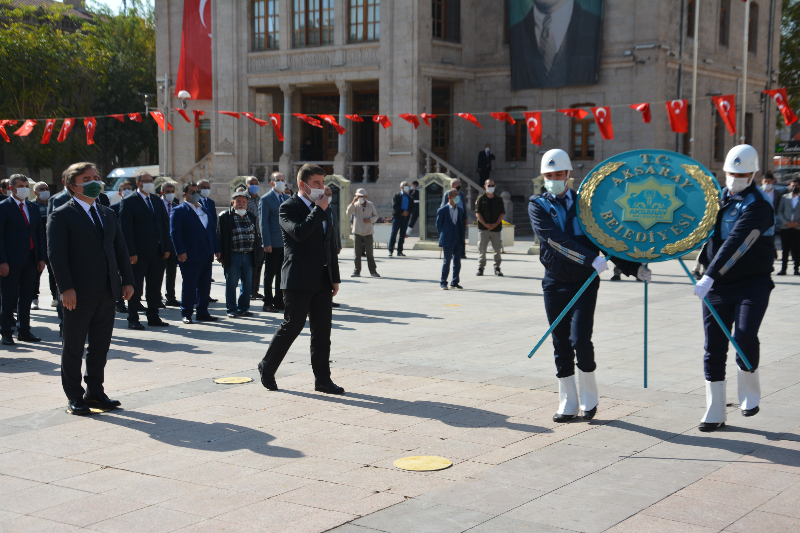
<point x="452" y="253"/>
<point x="743" y="303"/>
<point x="196" y="287"/>
<point x="572" y="338"/>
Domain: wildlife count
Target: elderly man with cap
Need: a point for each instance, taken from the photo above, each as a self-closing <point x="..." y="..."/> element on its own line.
<point x="239" y="238"/>
<point x="364" y="217"/>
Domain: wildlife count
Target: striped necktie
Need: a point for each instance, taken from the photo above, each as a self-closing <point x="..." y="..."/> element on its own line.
<point x="547" y="44"/>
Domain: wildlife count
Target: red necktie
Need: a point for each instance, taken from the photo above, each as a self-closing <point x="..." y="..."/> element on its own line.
<point x="22" y="210"/>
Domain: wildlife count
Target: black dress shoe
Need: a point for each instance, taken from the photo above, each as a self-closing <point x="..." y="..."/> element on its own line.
<point x="244" y="313"/>
<point x="231" y="315"/>
<point x="750" y="412"/>
<point x="563" y="418"/>
<point x="400" y="254"/>
<point x="158" y="323"/>
<point x="172" y="302"/>
<point x="122" y="308"/>
<point x="8" y="340"/>
<point x="207" y="318"/>
<point x="498" y="272"/>
<point x="588" y="415"/>
<point x="79" y="407"/>
<point x="616" y="277"/>
<point x="27" y="336"/>
<point x="161" y="305"/>
<point x="334" y="304"/>
<point x="710" y="426"/>
<point x="480" y="272"/>
<point x="135" y="325"/>
<point x="187" y="320"/>
<point x="375" y="274"/>
<point x="257" y="296"/>
<point x="101" y="401"/>
<point x="455" y="286"/>
<point x="327" y="386"/>
<point x="267" y="381"/>
<point x="213" y="300"/>
<point x="269" y="309"/>
<point x="781" y="272"/>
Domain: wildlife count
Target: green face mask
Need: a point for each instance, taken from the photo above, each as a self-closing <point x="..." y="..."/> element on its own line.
<point x="92" y="189"/>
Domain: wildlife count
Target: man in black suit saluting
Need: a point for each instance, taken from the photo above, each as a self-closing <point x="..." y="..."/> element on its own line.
<point x="92" y="268"/>
<point x="309" y="279"/>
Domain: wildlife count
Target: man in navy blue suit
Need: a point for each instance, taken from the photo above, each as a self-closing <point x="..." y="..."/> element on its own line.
<point x="22" y="257"/>
<point x="450" y="225"/>
<point x="205" y="197"/>
<point x="194" y="235"/>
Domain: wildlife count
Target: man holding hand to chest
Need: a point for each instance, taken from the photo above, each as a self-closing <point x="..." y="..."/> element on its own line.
<point x="309" y="279"/>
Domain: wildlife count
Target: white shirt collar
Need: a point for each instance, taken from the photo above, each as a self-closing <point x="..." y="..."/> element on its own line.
<point x="143" y="195"/>
<point x="559" y="22"/>
<point x="19" y="202"/>
<point x="305" y="201"/>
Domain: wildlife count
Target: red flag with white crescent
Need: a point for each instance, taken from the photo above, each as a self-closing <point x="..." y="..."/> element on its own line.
<point x="779" y="96"/>
<point x="678" y="116"/>
<point x="644" y="109"/>
<point x="383" y="120"/>
<point x="574" y="112"/>
<point x="252" y="117"/>
<point x="354" y="118"/>
<point x="136" y="117"/>
<point x="533" y="120"/>
<point x="233" y="114"/>
<point x="276" y="125"/>
<point x="158" y="116"/>
<point x="426" y="117"/>
<point x="3" y="133"/>
<point x="90" y="123"/>
<point x="182" y="113"/>
<point x="726" y="107"/>
<point x="504" y="117"/>
<point x="310" y="120"/>
<point x="330" y="119"/>
<point x="194" y="72"/>
<point x="48" y="130"/>
<point x="66" y="127"/>
<point x="121" y="118"/>
<point x="469" y="117"/>
<point x="26" y="128"/>
<point x="197" y="114"/>
<point x="602" y="116"/>
<point x="411" y="119"/>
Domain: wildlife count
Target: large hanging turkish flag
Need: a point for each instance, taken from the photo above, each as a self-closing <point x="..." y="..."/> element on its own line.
<point x="276" y="125"/>
<point x="678" y="116"/>
<point x="602" y="116"/>
<point x="89" y="123"/>
<point x="48" y="130"/>
<point x="779" y="95"/>
<point x="66" y="127"/>
<point x="533" y="119"/>
<point x="726" y="106"/>
<point x="194" y="73"/>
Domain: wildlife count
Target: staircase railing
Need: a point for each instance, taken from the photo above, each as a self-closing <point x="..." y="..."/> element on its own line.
<point x="434" y="163"/>
<point x="201" y="170"/>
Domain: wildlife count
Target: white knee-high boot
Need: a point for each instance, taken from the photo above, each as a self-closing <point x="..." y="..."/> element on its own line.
<point x="749" y="391"/>
<point x="715" y="403"/>
<point x="588" y="390"/>
<point x="567" y="396"/>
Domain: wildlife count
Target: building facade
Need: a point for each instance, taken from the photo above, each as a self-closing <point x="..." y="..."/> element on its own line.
<point x="443" y="57"/>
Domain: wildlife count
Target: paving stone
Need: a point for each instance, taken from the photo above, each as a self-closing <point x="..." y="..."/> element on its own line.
<point x="422" y="517"/>
<point x="483" y="496"/>
<point x="148" y="519"/>
<point x="759" y="521"/>
<point x="88" y="509"/>
<point x="642" y="523"/>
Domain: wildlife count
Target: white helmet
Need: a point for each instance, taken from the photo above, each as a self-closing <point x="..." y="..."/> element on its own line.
<point x="742" y="159"/>
<point x="555" y="160"/>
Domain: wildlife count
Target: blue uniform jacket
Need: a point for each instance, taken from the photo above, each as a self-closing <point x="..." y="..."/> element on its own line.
<point x="450" y="234"/>
<point x="268" y="215"/>
<point x="743" y="242"/>
<point x="190" y="237"/>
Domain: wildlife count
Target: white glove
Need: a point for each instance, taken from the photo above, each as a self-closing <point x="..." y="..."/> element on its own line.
<point x="644" y="273"/>
<point x="702" y="287"/>
<point x="600" y="264"/>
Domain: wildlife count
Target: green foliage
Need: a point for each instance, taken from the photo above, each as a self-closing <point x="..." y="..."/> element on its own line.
<point x="57" y="66"/>
<point x="790" y="52"/>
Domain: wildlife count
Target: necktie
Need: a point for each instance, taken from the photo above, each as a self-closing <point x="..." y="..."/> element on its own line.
<point x="547" y="44"/>
<point x="95" y="218"/>
<point x="150" y="205"/>
<point x="22" y="210"/>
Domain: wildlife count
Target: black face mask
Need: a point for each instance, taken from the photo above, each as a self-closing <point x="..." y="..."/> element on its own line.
<point x="458" y="188"/>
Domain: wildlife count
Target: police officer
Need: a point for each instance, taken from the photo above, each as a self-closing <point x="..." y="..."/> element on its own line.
<point x="569" y="258"/>
<point x="738" y="260"/>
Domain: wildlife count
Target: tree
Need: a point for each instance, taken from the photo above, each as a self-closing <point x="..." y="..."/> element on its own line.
<point x="790" y="51"/>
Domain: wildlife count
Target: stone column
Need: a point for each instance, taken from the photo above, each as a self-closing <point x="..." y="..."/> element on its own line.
<point x="285" y="163"/>
<point x="340" y="161"/>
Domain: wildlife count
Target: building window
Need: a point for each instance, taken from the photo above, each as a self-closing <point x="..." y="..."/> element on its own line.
<point x="583" y="136"/>
<point x="312" y="22"/>
<point x="724" y="22"/>
<point x="365" y="20"/>
<point x="516" y="136"/>
<point x="690" y="18"/>
<point x="203" y="146"/>
<point x="447" y="20"/>
<point x="719" y="137"/>
<point x="752" y="29"/>
<point x="265" y="25"/>
<point x="506" y="28"/>
<point x="748" y="128"/>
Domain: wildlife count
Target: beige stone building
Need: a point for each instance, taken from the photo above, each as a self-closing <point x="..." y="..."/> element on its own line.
<point x="448" y="56"/>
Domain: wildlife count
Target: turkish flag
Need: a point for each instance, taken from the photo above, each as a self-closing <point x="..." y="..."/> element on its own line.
<point x="645" y="109"/>
<point x="26" y="128"/>
<point x="194" y="72"/>
<point x="48" y="130"/>
<point x="66" y="127"/>
<point x="3" y="133"/>
<point x="408" y="117"/>
<point x="354" y="118"/>
<point x="310" y="120"/>
<point x="121" y="118"/>
<point x="182" y="113"/>
<point x="383" y="120"/>
<point x="726" y="106"/>
<point x="136" y="117"/>
<point x="90" y="123"/>
<point x="158" y="116"/>
<point x="427" y="117"/>
<point x="330" y="119"/>
<point x="533" y="119"/>
<point x="602" y="115"/>
<point x="276" y="125"/>
<point x="470" y="118"/>
<point x="252" y="117"/>
<point x="678" y="116"/>
<point x="233" y="114"/>
<point x="779" y="95"/>
<point x="197" y="114"/>
<point x="504" y="117"/>
<point x="574" y="112"/>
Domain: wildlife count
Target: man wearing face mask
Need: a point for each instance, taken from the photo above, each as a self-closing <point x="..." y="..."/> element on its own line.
<point x="738" y="259"/>
<point x="273" y="242"/>
<point x="22" y="258"/>
<point x="364" y="217"/>
<point x="569" y="258"/>
<point x="253" y="206"/>
<point x="462" y="201"/>
<point x="490" y="210"/>
<point x="145" y="225"/>
<point x="789" y="219"/>
<point x="239" y="237"/>
<point x="768" y="186"/>
<point x="92" y="268"/>
<point x="450" y="225"/>
<point x="402" y="204"/>
<point x="42" y="192"/>
<point x="485" y="158"/>
<point x="205" y="196"/>
<point x="170" y="201"/>
<point x="415" y="211"/>
<point x="310" y="280"/>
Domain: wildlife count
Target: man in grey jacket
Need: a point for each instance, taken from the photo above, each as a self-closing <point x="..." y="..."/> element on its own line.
<point x="364" y="217"/>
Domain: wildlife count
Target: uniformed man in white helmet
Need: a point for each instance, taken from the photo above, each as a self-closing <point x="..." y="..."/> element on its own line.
<point x="569" y="258"/>
<point x="737" y="282"/>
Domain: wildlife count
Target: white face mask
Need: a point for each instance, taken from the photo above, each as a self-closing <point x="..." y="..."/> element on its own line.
<point x="362" y="201"/>
<point x="315" y="194"/>
<point x="149" y="188"/>
<point x="169" y="197"/>
<point x="555" y="187"/>
<point x="126" y="192"/>
<point x="279" y="186"/>
<point x="44" y="196"/>
<point x="767" y="187"/>
<point x="205" y="193"/>
<point x="736" y="185"/>
<point x="23" y="192"/>
<point x="241" y="212"/>
<point x="406" y="188"/>
<point x="490" y="190"/>
<point x="487" y="150"/>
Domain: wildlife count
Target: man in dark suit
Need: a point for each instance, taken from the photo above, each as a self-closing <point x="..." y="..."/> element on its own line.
<point x="22" y="257"/>
<point x="556" y="44"/>
<point x="485" y="158"/>
<point x="415" y="211"/>
<point x="337" y="233"/>
<point x="92" y="268"/>
<point x="273" y="241"/>
<point x="402" y="205"/>
<point x="124" y="189"/>
<point x="170" y="202"/>
<point x="310" y="280"/>
<point x="145" y="225"/>
<point x="462" y="201"/>
<point x="450" y="225"/>
<point x="205" y="197"/>
<point x="194" y="235"/>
